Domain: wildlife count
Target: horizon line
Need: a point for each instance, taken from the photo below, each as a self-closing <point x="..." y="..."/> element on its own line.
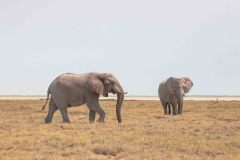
<point x="127" y="95"/>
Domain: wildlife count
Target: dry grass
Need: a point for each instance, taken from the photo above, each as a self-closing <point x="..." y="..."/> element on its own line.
<point x="206" y="130"/>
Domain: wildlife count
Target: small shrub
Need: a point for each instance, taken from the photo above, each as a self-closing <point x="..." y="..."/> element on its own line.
<point x="107" y="150"/>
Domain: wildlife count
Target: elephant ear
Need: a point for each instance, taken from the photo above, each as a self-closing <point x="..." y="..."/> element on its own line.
<point x="171" y="85"/>
<point x="95" y="84"/>
<point x="187" y="84"/>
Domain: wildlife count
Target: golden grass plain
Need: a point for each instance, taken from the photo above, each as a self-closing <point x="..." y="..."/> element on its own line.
<point x="206" y="130"/>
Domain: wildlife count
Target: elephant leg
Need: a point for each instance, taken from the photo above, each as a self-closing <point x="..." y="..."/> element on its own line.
<point x="164" y="104"/>
<point x="101" y="112"/>
<point x="64" y="113"/>
<point x="51" y="111"/>
<point x="169" y="108"/>
<point x="174" y="109"/>
<point x="92" y="115"/>
<point x="165" y="108"/>
<point x="102" y="115"/>
<point x="93" y="104"/>
<point x="174" y="106"/>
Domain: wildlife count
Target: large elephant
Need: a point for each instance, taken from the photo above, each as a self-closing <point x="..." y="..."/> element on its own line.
<point x="171" y="93"/>
<point x="70" y="89"/>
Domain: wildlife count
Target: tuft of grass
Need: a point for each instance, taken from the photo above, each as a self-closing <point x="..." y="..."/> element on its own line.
<point x="107" y="150"/>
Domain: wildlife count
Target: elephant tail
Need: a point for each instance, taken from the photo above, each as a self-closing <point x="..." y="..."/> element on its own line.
<point x="43" y="107"/>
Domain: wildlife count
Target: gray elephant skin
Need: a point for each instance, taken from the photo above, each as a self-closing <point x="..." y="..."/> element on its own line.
<point x="69" y="90"/>
<point x="171" y="93"/>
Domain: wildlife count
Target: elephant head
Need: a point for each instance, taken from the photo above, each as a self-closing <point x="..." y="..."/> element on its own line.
<point x="187" y="84"/>
<point x="104" y="83"/>
<point x="179" y="86"/>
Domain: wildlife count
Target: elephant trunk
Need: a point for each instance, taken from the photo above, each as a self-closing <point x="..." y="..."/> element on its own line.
<point x="120" y="98"/>
<point x="180" y="105"/>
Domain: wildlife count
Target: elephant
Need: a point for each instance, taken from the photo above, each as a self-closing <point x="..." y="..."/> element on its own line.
<point x="70" y="89"/>
<point x="171" y="93"/>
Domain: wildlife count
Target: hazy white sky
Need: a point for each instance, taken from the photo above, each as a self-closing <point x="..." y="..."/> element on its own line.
<point x="141" y="42"/>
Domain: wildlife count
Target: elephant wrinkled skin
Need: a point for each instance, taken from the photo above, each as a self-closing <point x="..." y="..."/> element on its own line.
<point x="70" y="89"/>
<point x="171" y="93"/>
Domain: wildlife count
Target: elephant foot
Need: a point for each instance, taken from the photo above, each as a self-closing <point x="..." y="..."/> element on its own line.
<point x="91" y="121"/>
<point x="48" y="121"/>
<point x="66" y="121"/>
<point x="100" y="120"/>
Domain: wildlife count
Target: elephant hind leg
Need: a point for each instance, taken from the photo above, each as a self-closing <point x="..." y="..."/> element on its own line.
<point x="51" y="111"/>
<point x="92" y="115"/>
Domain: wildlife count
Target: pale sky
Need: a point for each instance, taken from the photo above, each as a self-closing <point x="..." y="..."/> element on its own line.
<point x="140" y="42"/>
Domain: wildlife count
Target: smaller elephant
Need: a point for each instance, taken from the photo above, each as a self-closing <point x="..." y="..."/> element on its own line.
<point x="171" y="93"/>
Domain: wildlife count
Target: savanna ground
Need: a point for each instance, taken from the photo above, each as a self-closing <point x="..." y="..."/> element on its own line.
<point x="206" y="130"/>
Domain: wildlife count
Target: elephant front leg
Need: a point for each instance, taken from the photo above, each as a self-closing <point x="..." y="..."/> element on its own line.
<point x="92" y="115"/>
<point x="165" y="108"/>
<point x="102" y="116"/>
<point x="164" y="104"/>
<point x="169" y="108"/>
<point x="95" y="106"/>
<point x="174" y="107"/>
